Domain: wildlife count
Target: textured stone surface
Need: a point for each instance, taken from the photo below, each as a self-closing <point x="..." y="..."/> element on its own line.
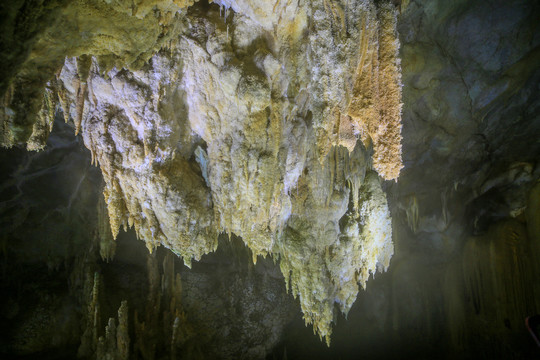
<point x="230" y="130"/>
<point x="464" y="212"/>
<point x="122" y="33"/>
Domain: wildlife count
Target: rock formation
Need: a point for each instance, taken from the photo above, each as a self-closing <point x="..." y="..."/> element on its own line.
<point x="271" y="128"/>
<point x="244" y="118"/>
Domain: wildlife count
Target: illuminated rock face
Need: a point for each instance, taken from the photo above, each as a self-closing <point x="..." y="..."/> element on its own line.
<point x="249" y="122"/>
<point x="122" y="33"/>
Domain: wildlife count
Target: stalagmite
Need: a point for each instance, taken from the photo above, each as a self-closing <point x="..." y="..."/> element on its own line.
<point x="89" y="339"/>
<point x="115" y="344"/>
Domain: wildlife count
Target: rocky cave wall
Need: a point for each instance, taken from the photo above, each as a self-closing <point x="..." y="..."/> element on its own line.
<point x="464" y="209"/>
<point x="468" y="191"/>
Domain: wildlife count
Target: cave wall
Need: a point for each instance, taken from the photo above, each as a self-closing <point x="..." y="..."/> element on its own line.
<point x="464" y="200"/>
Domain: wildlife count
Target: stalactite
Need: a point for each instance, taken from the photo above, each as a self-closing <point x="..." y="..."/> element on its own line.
<point x="45" y="119"/>
<point x="107" y="244"/>
<point x="63" y="99"/>
<point x="6" y="115"/>
<point x="84" y="63"/>
<point x="387" y="139"/>
<point x="375" y="105"/>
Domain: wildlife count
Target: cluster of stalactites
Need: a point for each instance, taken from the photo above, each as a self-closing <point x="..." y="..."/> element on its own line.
<point x="277" y="156"/>
<point x="325" y="255"/>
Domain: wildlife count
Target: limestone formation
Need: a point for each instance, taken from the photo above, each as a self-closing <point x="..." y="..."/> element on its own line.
<point x="253" y="118"/>
<point x="122" y="33"/>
